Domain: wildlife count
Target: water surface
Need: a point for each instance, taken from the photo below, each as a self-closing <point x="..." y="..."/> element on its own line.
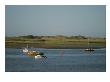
<point x="59" y="60"/>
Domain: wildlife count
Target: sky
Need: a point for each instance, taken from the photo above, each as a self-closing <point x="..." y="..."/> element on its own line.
<point x="49" y="20"/>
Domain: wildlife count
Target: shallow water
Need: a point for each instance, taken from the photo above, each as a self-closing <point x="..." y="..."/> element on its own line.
<point x="58" y="60"/>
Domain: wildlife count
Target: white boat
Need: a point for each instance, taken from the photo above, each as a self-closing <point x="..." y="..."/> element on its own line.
<point x="38" y="56"/>
<point x="32" y="53"/>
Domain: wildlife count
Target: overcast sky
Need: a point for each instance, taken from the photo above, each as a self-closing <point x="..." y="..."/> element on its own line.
<point x="55" y="20"/>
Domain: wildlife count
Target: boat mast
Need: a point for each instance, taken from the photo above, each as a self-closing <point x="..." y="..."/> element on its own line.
<point x="27" y="46"/>
<point x="88" y="43"/>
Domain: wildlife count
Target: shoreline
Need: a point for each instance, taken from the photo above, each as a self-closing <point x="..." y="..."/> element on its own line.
<point x="55" y="42"/>
<point x="59" y="47"/>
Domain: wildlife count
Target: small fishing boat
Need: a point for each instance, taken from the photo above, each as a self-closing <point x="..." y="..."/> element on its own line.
<point x="89" y="48"/>
<point x="33" y="53"/>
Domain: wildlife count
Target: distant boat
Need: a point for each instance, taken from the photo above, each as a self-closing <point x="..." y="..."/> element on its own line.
<point x="32" y="53"/>
<point x="89" y="48"/>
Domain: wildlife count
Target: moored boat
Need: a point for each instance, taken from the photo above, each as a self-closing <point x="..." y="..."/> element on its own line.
<point x="89" y="48"/>
<point x="32" y="53"/>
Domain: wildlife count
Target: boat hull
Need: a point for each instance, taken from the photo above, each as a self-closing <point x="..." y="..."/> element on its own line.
<point x="89" y="49"/>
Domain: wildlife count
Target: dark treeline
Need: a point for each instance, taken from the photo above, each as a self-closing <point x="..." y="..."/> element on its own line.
<point x="57" y="36"/>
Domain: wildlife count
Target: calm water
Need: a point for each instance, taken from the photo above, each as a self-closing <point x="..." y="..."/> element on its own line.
<point x="59" y="60"/>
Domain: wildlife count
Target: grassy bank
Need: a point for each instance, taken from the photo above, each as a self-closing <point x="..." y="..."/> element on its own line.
<point x="54" y="42"/>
